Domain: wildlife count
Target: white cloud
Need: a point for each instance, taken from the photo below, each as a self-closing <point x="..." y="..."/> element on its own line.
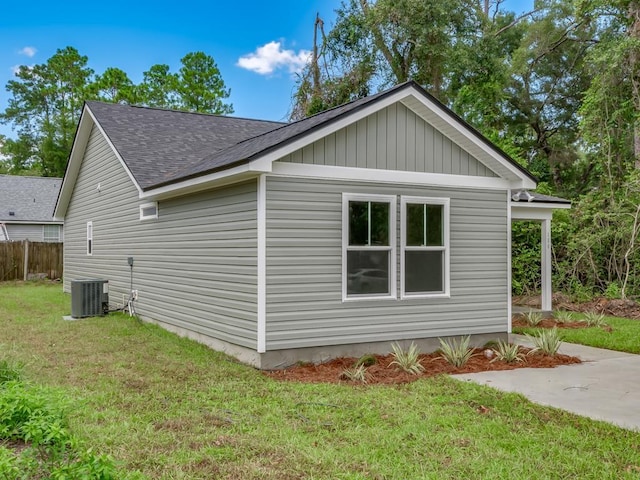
<point x="16" y="68"/>
<point x="28" y="51"/>
<point x="271" y="56"/>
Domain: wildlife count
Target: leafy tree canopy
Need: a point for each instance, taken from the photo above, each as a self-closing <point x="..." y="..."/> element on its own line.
<point x="45" y="102"/>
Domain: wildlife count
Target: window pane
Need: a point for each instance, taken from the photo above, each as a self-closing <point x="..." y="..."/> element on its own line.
<point x="379" y="224"/>
<point x="367" y="272"/>
<point x="51" y="233"/>
<point x="358" y="223"/>
<point x="415" y="225"/>
<point x="423" y="271"/>
<point x="434" y="225"/>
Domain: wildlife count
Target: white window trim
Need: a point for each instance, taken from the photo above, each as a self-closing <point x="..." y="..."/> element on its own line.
<point x="392" y="201"/>
<point x="44" y="231"/>
<point x="90" y="238"/>
<point x="445" y="202"/>
<point x="148" y="205"/>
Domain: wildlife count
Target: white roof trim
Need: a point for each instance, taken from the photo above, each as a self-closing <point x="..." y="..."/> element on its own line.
<point x="330" y="172"/>
<point x="32" y="222"/>
<point x="87" y="121"/>
<point x="534" y="211"/>
<point x="217" y="179"/>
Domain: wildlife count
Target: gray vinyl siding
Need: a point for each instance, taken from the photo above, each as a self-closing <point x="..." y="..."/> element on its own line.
<point x="194" y="266"/>
<point x="394" y="138"/>
<point x="32" y="232"/>
<point x="24" y="232"/>
<point x="304" y="268"/>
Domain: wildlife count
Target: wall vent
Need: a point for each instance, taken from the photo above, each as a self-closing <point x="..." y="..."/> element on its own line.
<point x="89" y="298"/>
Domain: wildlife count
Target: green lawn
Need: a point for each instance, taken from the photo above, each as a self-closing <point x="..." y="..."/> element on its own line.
<point x="168" y="408"/>
<point x="624" y="335"/>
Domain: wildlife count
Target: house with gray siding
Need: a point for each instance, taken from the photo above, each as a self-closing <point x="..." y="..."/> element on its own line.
<point x="385" y="219"/>
<point x="26" y="209"/>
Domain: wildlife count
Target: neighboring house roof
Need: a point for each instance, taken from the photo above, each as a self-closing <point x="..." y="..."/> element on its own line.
<point x="31" y="199"/>
<point x="171" y="152"/>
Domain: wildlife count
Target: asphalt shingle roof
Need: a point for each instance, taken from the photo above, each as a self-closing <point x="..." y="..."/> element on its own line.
<point x="31" y="199"/>
<point x="534" y="197"/>
<point x="156" y="143"/>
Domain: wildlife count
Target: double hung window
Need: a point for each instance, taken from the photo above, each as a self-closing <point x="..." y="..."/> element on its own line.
<point x="369" y="261"/>
<point x="369" y="246"/>
<point x="424" y="262"/>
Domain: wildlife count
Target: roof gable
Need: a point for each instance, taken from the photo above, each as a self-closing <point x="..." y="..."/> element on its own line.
<point x="170" y="152"/>
<point x="31" y="199"/>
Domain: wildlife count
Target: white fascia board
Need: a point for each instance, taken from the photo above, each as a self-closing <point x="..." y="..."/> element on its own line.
<point x="540" y="205"/>
<point x="75" y="160"/>
<point x="518" y="213"/>
<point x="388" y="176"/>
<point x="535" y="211"/>
<point x="32" y="222"/>
<point x="205" y="182"/>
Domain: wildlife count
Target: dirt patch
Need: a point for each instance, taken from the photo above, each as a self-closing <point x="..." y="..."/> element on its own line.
<point x="614" y="308"/>
<point x="434" y="364"/>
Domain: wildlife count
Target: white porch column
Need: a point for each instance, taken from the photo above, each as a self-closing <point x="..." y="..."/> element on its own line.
<point x="546" y="265"/>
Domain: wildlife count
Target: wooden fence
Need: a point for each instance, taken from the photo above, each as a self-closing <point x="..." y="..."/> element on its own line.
<point x="27" y="260"/>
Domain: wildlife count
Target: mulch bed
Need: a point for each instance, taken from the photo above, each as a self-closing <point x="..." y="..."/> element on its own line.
<point x="614" y="308"/>
<point x="382" y="373"/>
<point x="519" y="321"/>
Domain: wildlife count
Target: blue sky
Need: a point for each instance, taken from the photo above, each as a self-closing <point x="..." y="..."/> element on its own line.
<point x="271" y="36"/>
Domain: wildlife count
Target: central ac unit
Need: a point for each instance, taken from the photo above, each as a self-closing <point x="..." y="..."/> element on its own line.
<point x="89" y="298"/>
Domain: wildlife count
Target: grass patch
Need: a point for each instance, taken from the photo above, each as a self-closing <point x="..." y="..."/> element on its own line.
<point x="168" y="408"/>
<point x="622" y="336"/>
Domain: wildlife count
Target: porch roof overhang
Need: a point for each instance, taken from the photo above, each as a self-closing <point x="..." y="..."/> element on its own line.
<point x="527" y="205"/>
<point x="537" y="207"/>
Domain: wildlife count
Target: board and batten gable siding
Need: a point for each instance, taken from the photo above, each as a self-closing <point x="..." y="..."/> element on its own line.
<point x="394" y="138"/>
<point x="304" y="268"/>
<point x="194" y="266"/>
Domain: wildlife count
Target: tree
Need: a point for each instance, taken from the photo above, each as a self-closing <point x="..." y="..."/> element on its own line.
<point x="113" y="86"/>
<point x="377" y="44"/>
<point x="158" y="87"/>
<point x="44" y="107"/>
<point x="200" y="87"/>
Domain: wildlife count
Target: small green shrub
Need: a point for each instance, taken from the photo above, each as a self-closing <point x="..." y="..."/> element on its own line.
<point x="594" y="319"/>
<point x="612" y="291"/>
<point x="533" y="318"/>
<point x="36" y="415"/>
<point x="407" y="360"/>
<point x="507" y="352"/>
<point x="357" y="373"/>
<point x="367" y="360"/>
<point x="547" y="341"/>
<point x="563" y="316"/>
<point x="9" y="371"/>
<point x="456" y="353"/>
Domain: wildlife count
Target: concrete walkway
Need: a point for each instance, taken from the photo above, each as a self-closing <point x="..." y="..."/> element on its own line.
<point x="606" y="386"/>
